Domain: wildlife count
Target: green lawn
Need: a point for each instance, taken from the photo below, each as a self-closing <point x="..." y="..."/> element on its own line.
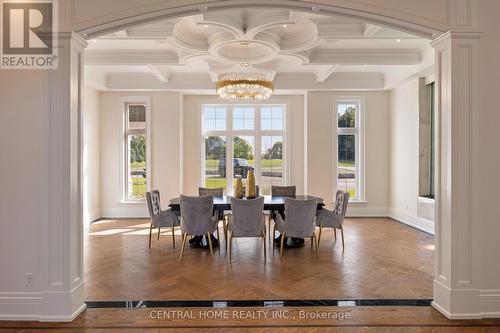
<point x="271" y="163"/>
<point x="138" y="182"/>
<point x="215" y="182"/>
<point x="347" y="164"/>
<point x="138" y="187"/>
<point x="138" y="165"/>
<point x="211" y="164"/>
<point x="214" y="164"/>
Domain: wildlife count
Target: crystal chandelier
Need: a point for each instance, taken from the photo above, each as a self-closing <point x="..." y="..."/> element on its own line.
<point x="244" y="86"/>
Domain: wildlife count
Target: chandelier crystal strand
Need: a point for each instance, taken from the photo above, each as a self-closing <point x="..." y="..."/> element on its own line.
<point x="244" y="86"/>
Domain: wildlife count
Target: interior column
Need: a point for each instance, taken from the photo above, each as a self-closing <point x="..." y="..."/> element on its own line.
<point x="456" y="273"/>
<point x="62" y="239"/>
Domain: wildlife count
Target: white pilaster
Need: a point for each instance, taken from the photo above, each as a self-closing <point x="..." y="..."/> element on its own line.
<point x="62" y="296"/>
<point x="456" y="280"/>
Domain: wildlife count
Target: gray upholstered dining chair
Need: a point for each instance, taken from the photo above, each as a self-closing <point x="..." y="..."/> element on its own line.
<point x="197" y="219"/>
<point x="217" y="192"/>
<point x="280" y="191"/>
<point x="334" y="219"/>
<point x="283" y="191"/>
<point x="299" y="221"/>
<point x="160" y="218"/>
<point x="247" y="220"/>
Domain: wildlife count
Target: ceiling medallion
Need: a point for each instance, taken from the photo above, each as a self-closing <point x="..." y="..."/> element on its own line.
<point x="244" y="86"/>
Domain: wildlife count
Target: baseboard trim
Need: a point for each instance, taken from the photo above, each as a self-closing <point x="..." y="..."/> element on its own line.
<point x="69" y="318"/>
<point x="136" y="211"/>
<point x="20" y="306"/>
<point x="466" y="303"/>
<point x="490" y="303"/>
<point x="354" y="211"/>
<point x="52" y="306"/>
<point x="413" y="221"/>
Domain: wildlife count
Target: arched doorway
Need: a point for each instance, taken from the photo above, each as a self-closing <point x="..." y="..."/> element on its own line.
<point x="449" y="162"/>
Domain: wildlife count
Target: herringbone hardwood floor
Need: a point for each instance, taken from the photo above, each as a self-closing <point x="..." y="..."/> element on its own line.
<point x="382" y="259"/>
<point x="363" y="319"/>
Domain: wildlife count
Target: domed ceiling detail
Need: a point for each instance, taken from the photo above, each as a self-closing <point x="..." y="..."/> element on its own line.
<point x="249" y="40"/>
<point x="270" y="42"/>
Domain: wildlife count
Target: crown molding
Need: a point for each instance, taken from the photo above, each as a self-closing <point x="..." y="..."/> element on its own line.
<point x="365" y="56"/>
<point x="160" y="72"/>
<point x="322" y="76"/>
<point x="370" y="30"/>
<point x="332" y="57"/>
<point x="348" y="29"/>
<point x="130" y="57"/>
<point x="328" y="29"/>
<point x="266" y="20"/>
<point x="284" y="81"/>
<point x="456" y="35"/>
<point x="228" y="23"/>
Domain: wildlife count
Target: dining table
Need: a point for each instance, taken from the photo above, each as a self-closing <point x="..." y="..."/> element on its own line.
<point x="221" y="204"/>
<point x="271" y="203"/>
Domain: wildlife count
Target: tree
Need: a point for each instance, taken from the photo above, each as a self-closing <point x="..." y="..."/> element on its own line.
<point x="348" y="118"/>
<point x="242" y="149"/>
<point x="215" y="148"/>
<point x="275" y="152"/>
<point x="138" y="148"/>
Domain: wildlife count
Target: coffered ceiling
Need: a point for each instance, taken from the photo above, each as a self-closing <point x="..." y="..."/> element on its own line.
<point x="299" y="51"/>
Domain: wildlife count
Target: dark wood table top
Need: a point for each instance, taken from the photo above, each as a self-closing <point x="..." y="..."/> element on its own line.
<point x="270" y="202"/>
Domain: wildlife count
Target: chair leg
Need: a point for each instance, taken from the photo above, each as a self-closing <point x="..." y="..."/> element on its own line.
<point x="316" y="242"/>
<point x="184" y="238"/>
<point x="218" y="236"/>
<point x="158" y="233"/>
<point x="282" y="243"/>
<point x="342" y="234"/>
<point x="210" y="244"/>
<point x="272" y="239"/>
<point x="319" y="235"/>
<point x="335" y="233"/>
<point x="269" y="224"/>
<point x="230" y="242"/>
<point x="264" y="241"/>
<point x="150" y="233"/>
<point x="173" y="237"/>
<point x="224" y="229"/>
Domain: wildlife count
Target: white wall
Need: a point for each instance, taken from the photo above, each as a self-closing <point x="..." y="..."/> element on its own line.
<point x="176" y="171"/>
<point x="24" y="168"/>
<point x="91" y="156"/>
<point x="165" y="123"/>
<point x="486" y="157"/>
<point x="321" y="150"/>
<point x="192" y="139"/>
<point x="404" y="155"/>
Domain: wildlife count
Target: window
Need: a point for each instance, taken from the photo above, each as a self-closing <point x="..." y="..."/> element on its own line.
<point x="349" y="148"/>
<point x="426" y="139"/>
<point x="271" y="162"/>
<point x="243" y="118"/>
<point x="215" y="161"/>
<point x="238" y="138"/>
<point x="215" y="118"/>
<point x="272" y="118"/>
<point x="135" y="151"/>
